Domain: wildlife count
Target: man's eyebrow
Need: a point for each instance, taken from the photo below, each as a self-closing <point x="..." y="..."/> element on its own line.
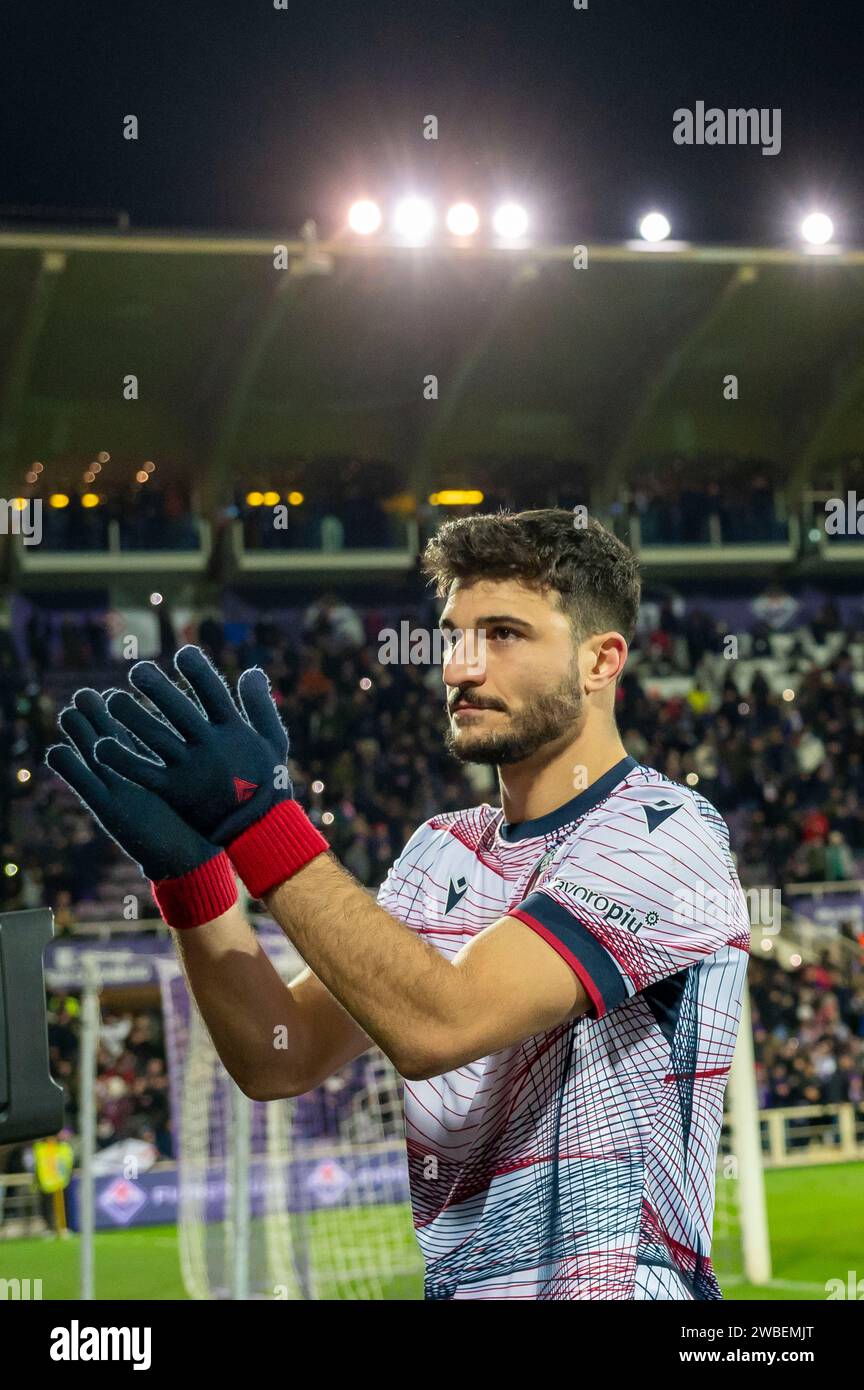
<point x="491" y="620"/>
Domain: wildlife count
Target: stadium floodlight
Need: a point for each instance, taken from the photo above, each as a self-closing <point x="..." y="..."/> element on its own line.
<point x="364" y="217"/>
<point x="817" y="229"/>
<point x="463" y="219"/>
<point x="510" y="222"/>
<point x="655" y="226"/>
<point x="413" y="219"/>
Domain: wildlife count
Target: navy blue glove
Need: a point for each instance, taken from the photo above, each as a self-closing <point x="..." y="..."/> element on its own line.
<point x="220" y="771"/>
<point x="190" y="875"/>
<point x="224" y="771"/>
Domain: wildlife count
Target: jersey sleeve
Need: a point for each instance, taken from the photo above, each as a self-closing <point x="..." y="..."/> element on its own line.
<point x="405" y="877"/>
<point x="634" y="900"/>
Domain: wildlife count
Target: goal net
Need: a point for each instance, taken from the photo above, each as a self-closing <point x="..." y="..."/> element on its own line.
<point x="295" y="1199"/>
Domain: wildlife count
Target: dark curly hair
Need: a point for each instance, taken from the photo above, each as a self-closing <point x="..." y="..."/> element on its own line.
<point x="596" y="576"/>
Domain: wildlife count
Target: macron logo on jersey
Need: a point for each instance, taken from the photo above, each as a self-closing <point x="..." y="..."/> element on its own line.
<point x="455" y="893"/>
<point x="660" y="811"/>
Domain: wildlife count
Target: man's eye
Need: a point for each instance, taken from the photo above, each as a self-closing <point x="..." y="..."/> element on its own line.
<point x="499" y="631"/>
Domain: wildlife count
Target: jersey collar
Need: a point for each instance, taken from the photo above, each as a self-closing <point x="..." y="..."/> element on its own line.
<point x="571" y="810"/>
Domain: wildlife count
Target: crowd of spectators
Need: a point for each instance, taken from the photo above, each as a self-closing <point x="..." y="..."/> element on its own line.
<point x="133" y="1104"/>
<point x="366" y="739"/>
<point x="148" y="517"/>
<point x="356" y="522"/>
<point x="132" y="1084"/>
<point x="788" y="773"/>
<point x="682" y="511"/>
<point x="809" y="1033"/>
<point x="339" y="505"/>
<point x="343" y="503"/>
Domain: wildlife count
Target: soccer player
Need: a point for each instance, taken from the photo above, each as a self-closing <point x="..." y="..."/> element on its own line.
<point x="558" y="979"/>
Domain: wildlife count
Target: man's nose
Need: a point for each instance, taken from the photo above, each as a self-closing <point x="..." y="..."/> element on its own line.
<point x="465" y="660"/>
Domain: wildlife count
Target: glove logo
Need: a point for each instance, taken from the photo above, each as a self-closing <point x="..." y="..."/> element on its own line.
<point x="244" y="791"/>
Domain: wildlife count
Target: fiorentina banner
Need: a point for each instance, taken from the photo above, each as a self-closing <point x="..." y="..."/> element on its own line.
<point x="311" y="1184"/>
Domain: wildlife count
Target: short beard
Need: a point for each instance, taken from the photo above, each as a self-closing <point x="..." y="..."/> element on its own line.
<point x="546" y="720"/>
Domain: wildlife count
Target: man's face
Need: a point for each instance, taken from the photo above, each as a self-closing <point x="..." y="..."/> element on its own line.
<point x="512" y="673"/>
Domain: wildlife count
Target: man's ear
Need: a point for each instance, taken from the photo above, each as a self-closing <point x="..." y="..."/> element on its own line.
<point x="612" y="644"/>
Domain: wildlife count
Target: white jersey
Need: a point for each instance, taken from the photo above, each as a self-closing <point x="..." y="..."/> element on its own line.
<point x="580" y="1164"/>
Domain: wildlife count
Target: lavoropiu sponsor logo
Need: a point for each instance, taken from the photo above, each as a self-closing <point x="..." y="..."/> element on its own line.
<point x="615" y="913"/>
<point x="77" y="1343"/>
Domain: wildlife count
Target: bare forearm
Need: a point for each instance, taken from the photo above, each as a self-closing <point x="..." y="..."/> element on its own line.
<point x="397" y="987"/>
<point x="249" y="1010"/>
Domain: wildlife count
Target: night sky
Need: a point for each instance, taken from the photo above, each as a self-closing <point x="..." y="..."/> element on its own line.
<point x="253" y="119"/>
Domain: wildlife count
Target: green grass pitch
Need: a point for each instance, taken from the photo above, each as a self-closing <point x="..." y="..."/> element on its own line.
<point x="816" y="1217"/>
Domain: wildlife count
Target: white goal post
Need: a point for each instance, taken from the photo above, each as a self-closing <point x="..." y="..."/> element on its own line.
<point x="741" y="1234"/>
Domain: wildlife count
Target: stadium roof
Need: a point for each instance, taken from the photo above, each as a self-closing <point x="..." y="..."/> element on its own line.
<point x="243" y="367"/>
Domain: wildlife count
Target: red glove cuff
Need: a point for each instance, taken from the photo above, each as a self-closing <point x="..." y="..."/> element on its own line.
<point x="199" y="896"/>
<point x="275" y="847"/>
